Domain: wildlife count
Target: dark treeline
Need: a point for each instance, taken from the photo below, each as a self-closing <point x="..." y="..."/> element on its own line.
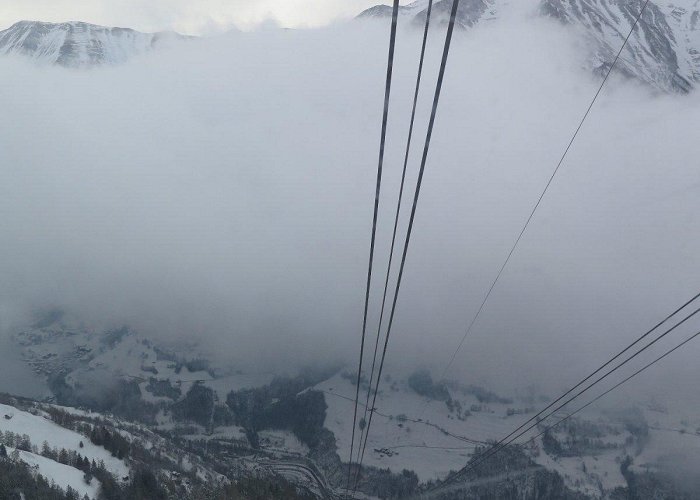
<point x="121" y="398"/>
<point x="17" y="481"/>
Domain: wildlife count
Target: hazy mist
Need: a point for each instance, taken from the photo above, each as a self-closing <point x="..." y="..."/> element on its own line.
<point x="222" y="189"/>
<point x="183" y="16"/>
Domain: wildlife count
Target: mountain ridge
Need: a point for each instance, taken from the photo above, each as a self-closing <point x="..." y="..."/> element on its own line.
<point x="663" y="51"/>
<point x="77" y="44"/>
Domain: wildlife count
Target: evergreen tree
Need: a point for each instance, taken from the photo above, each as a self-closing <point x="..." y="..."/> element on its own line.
<point x="71" y="494"/>
<point x="47" y="452"/>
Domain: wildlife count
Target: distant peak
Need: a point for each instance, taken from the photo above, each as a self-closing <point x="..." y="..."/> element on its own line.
<point x="78" y="44"/>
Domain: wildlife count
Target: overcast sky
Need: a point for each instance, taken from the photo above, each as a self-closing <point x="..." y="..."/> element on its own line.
<point x="185" y="16"/>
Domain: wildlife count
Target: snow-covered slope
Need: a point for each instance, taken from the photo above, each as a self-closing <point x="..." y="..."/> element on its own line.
<point x="429" y="432"/>
<point x="77" y="44"/>
<point x="654" y="51"/>
<point x="80" y="362"/>
<point x="63" y="475"/>
<point x="432" y="438"/>
<point x="41" y="429"/>
<point x="663" y="52"/>
<point x="684" y="19"/>
<point x="59" y="444"/>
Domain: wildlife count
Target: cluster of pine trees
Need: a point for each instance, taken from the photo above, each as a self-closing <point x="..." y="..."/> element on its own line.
<point x="72" y="458"/>
<point x="98" y="434"/>
<point x="19" y="481"/>
<point x="112" y="441"/>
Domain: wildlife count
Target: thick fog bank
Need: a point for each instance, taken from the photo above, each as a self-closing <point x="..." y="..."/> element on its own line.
<point x="223" y="190"/>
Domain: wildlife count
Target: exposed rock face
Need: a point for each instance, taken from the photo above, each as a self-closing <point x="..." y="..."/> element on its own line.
<point x="685" y="21"/>
<point x="653" y="51"/>
<point x="663" y="50"/>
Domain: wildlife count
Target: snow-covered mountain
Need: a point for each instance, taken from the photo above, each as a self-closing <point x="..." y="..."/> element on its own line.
<point x="380" y="11"/>
<point x="470" y="12"/>
<point x="660" y="52"/>
<point x="78" y="44"/>
<point x="664" y="50"/>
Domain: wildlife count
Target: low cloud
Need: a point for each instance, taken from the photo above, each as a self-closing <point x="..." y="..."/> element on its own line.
<point x="222" y="189"/>
<point x="195" y="18"/>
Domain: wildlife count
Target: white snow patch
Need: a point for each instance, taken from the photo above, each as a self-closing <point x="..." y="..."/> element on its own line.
<point x="40" y="429"/>
<point x="282" y="440"/>
<point x="62" y="475"/>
